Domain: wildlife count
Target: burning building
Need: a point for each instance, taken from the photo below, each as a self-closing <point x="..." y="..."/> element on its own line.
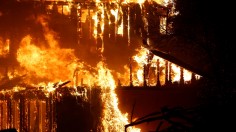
<point x="55" y="52"/>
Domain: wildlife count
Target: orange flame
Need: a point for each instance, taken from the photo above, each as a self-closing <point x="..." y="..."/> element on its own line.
<point x="113" y="119"/>
<point x="54" y="63"/>
<point x="141" y="59"/>
<point x="4" y="47"/>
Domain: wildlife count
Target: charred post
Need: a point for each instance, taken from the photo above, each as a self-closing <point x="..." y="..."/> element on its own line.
<point x="1" y="115"/>
<point x="48" y="114"/>
<point x="158" y="73"/>
<point x="166" y="72"/>
<point x="181" y="75"/>
<point x="193" y="78"/>
<point x="39" y="106"/>
<point x="15" y="114"/>
<point x="22" y="114"/>
<point x="9" y="113"/>
<point x="54" y="104"/>
<point x="144" y="75"/>
<point x="169" y="72"/>
<point x="130" y="73"/>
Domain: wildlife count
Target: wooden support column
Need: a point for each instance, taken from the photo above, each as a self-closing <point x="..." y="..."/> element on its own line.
<point x="158" y="73"/>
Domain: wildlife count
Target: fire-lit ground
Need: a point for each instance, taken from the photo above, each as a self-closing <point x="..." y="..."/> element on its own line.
<point x="101" y="53"/>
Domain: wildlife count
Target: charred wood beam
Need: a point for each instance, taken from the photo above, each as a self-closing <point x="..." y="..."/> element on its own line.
<point x="63" y="84"/>
<point x="159" y="126"/>
<point x="9" y="84"/>
<point x="57" y="85"/>
<point x="149" y="115"/>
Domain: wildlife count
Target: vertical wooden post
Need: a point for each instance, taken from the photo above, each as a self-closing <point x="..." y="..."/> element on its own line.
<point x="130" y="73"/>
<point x="166" y="72"/>
<point x="181" y="75"/>
<point x="158" y="73"/>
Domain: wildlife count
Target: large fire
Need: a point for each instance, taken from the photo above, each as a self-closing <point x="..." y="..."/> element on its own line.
<point x="44" y="63"/>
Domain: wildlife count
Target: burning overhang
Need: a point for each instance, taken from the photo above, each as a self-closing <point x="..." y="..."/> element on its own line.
<point x="181" y="52"/>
